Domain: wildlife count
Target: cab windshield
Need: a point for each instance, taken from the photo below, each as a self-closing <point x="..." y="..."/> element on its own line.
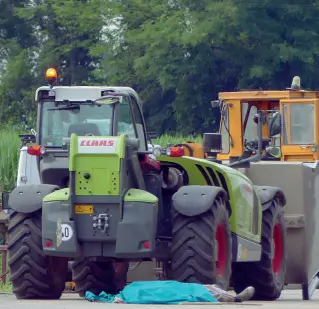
<point x="88" y="119"/>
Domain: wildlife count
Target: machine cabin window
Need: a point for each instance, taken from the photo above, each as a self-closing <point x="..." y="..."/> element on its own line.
<point x="139" y="124"/>
<point x="89" y="119"/>
<point x="250" y="130"/>
<point x="298" y="124"/>
<point x="126" y="122"/>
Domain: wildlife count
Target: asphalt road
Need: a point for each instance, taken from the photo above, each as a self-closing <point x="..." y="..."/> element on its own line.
<point x="290" y="299"/>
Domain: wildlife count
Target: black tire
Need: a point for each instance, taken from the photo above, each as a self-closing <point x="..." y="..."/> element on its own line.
<point x="268" y="280"/>
<point x="33" y="274"/>
<point x="193" y="251"/>
<point x="97" y="277"/>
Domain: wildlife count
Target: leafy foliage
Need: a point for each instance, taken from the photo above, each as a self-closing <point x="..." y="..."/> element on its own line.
<point x="177" y="54"/>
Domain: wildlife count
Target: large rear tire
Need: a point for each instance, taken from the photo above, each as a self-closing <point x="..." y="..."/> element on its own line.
<point x="266" y="276"/>
<point x="97" y="277"/>
<point x="201" y="247"/>
<point x="33" y="274"/>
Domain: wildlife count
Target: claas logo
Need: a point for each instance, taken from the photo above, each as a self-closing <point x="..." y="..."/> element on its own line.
<point x="97" y="143"/>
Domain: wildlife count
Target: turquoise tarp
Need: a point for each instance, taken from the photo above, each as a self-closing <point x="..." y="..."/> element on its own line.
<point x="157" y="292"/>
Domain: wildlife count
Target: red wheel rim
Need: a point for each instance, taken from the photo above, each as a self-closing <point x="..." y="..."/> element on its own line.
<point x="277" y="249"/>
<point x="222" y="249"/>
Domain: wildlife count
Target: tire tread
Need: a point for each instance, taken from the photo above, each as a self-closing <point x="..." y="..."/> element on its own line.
<point x="31" y="273"/>
<point x="193" y="246"/>
<point x="97" y="277"/>
<point x="260" y="274"/>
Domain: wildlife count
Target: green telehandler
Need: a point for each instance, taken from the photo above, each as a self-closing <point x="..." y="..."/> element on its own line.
<point x="106" y="200"/>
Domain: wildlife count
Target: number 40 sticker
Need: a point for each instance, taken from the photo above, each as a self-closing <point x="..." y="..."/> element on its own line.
<point x="67" y="232"/>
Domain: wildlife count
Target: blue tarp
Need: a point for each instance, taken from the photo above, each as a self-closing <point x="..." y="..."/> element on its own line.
<point x="157" y="292"/>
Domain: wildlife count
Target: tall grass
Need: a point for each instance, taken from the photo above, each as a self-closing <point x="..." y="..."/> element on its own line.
<point x="165" y="139"/>
<point x="9" y="155"/>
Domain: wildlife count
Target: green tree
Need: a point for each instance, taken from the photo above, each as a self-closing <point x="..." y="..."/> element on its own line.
<point x="16" y="39"/>
<point x="280" y="40"/>
<point x="177" y="54"/>
<point x="66" y="32"/>
<point x="166" y="50"/>
<point x="63" y="32"/>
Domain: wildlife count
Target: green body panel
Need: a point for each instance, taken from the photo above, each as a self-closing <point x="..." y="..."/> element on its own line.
<point x="59" y="195"/>
<point x="136" y="195"/>
<point x="104" y="168"/>
<point x="242" y="202"/>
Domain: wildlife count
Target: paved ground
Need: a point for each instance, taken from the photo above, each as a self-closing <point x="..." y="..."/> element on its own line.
<point x="291" y="299"/>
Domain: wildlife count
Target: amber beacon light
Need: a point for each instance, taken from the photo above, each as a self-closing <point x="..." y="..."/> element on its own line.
<point x="51" y="76"/>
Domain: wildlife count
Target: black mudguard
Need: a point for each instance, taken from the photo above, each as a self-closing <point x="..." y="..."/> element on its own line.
<point x="196" y="200"/>
<point x="28" y="198"/>
<point x="266" y="194"/>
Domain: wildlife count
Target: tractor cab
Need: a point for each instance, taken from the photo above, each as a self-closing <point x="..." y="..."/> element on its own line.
<point x="287" y="131"/>
<point x="102" y="117"/>
<point x="88" y="111"/>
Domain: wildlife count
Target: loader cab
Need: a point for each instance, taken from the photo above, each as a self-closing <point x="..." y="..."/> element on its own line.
<point x="77" y="109"/>
<point x="289" y="129"/>
<point x="59" y="116"/>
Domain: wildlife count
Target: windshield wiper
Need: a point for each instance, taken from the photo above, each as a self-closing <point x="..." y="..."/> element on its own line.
<point x="67" y="108"/>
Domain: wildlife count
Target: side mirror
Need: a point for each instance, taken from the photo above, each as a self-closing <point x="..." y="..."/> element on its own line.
<point x="215" y="103"/>
<point x="5" y="200"/>
<point x="274" y="124"/>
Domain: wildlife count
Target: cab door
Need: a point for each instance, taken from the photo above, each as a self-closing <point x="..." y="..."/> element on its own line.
<point x="299" y="136"/>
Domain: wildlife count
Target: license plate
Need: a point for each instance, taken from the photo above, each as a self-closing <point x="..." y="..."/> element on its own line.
<point x="84" y="209"/>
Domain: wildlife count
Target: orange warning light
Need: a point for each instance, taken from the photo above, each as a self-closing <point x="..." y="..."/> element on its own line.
<point x="51" y="75"/>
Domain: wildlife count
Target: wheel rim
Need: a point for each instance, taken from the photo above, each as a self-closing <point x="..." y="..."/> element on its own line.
<point x="222" y="250"/>
<point x="278" y="249"/>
